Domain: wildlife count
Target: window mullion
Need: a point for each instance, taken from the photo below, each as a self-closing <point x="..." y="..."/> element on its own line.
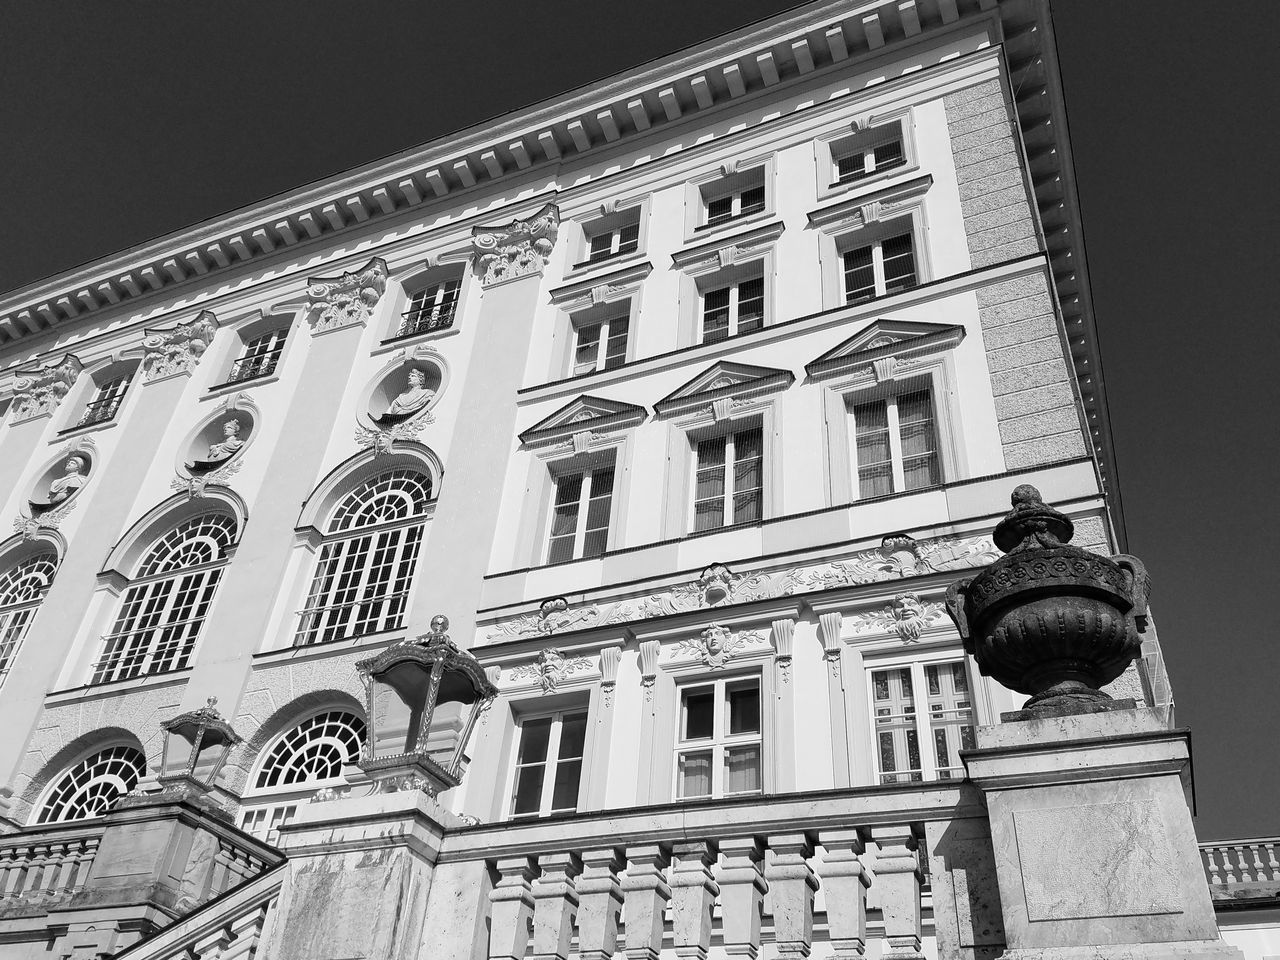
<point x="602" y="345"/>
<point x="584" y="502"/>
<point x="730" y="458"/>
<point x="924" y="726"/>
<point x="548" y="769"/>
<point x="717" y="739"/>
<point x="895" y="445"/>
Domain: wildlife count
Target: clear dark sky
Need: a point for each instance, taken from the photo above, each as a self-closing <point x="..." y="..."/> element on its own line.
<point x="123" y="121"/>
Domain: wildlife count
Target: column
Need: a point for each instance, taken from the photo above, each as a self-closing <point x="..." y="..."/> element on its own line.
<point x="599" y="903"/>
<point x="555" y="906"/>
<point x="693" y="894"/>
<point x="845" y="882"/>
<point x="793" y="884"/>
<point x="742" y="890"/>
<point x="511" y="907"/>
<point x="645" y="895"/>
<point x="898" y="879"/>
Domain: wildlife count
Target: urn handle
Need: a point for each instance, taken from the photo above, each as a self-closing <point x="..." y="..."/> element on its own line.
<point x="1138" y="585"/>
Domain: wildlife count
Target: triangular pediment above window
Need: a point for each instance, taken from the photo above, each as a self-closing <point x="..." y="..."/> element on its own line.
<point x="886" y="338"/>
<point x="585" y="414"/>
<point x="724" y="380"/>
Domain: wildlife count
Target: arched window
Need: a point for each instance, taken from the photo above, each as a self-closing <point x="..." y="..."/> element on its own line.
<point x="366" y="564"/>
<point x="295" y="765"/>
<point x="167" y="600"/>
<point x="90" y="787"/>
<point x="22" y="587"/>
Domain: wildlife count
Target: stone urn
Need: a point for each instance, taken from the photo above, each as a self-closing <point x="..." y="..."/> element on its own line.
<point x="1049" y="619"/>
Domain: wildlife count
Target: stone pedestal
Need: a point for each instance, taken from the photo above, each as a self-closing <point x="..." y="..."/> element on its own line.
<point x="1095" y="852"/>
<point x="359" y="873"/>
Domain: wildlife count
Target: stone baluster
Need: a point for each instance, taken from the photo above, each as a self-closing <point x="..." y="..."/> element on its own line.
<point x="35" y="870"/>
<point x="9" y="865"/>
<point x="555" y="908"/>
<point x="793" y="884"/>
<point x="1273" y="867"/>
<point x="1211" y="862"/>
<point x="645" y="895"/>
<point x="66" y="872"/>
<point x="212" y="945"/>
<point x="15" y="875"/>
<point x="693" y="895"/>
<point x="511" y="908"/>
<point x="898" y="879"/>
<point x="845" y="882"/>
<point x="599" y="903"/>
<point x="742" y="890"/>
<point x="245" y="933"/>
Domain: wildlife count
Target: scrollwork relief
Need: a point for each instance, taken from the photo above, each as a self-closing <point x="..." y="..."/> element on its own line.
<point x="716" y="645"/>
<point x="907" y="616"/>
<point x="517" y="249"/>
<point x="347" y="299"/>
<point x="38" y="390"/>
<point x="550" y="669"/>
<point x="178" y="349"/>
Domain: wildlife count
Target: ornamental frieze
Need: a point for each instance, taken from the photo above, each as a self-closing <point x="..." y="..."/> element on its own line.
<point x="550" y="668"/>
<point x="896" y="558"/>
<point x="334" y="302"/>
<point x="906" y="616"/>
<point x="716" y="645"/>
<point x="177" y="349"/>
<point x="516" y="249"/>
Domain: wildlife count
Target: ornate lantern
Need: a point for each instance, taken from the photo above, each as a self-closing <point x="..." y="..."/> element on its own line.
<point x="1049" y="619"/>
<point x="404" y="687"/>
<point x="208" y="738"/>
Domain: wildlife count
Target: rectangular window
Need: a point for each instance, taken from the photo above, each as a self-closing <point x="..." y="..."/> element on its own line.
<point x="857" y="163"/>
<point x="106" y="401"/>
<point x="733" y="309"/>
<point x="615" y="242"/>
<point x="916" y="702"/>
<point x="431" y="308"/>
<point x="600" y="345"/>
<point x="896" y="444"/>
<point x="719" y="741"/>
<point x="548" y="770"/>
<point x="729" y="480"/>
<point x="580" y="514"/>
<point x="879" y="268"/>
<point x="260" y="356"/>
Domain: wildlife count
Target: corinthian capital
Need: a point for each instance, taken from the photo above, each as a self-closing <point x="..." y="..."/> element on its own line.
<point x="177" y="349"/>
<point x="334" y="302"/>
<point x="517" y="249"/>
<point x="38" y="390"/>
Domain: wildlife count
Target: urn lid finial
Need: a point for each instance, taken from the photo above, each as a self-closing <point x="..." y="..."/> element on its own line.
<point x="1031" y="523"/>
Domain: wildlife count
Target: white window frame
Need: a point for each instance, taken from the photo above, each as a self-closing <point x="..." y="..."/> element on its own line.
<point x="608" y="321"/>
<point x="17" y="615"/>
<point x="929" y="769"/>
<point x="86" y="392"/>
<point x="720" y="741"/>
<point x="438" y="269"/>
<point x="599" y="298"/>
<point x="551" y="762"/>
<point x="863" y="133"/>
<point x="896" y="462"/>
<point x="715" y="265"/>
<point x="279" y="339"/>
<point x="118" y="750"/>
<point x="729" y="469"/>
<point x="731" y="178"/>
<point x="875" y="240"/>
<point x="587" y="471"/>
<point x="610" y="217"/>
<point x="733" y="280"/>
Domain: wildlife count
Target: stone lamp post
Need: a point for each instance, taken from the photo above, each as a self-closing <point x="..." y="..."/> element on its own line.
<point x="1050" y="619"/>
<point x="404" y="686"/>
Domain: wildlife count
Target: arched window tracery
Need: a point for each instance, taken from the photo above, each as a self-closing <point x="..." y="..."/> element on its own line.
<point x="301" y="760"/>
<point x="22" y="588"/>
<point x="168" y="600"/>
<point x="89" y="786"/>
<point x="362" y="579"/>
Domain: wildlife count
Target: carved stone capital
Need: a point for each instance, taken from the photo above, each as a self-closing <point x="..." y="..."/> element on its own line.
<point x="517" y="249"/>
<point x="334" y="302"/>
<point x="37" y="391"/>
<point x="177" y="349"/>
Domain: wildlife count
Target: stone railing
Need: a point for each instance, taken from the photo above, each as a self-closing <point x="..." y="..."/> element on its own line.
<point x="1242" y="872"/>
<point x="42" y="867"/>
<point x="793" y="871"/>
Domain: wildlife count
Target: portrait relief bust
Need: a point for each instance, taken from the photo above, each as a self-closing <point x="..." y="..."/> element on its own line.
<point x="412" y="399"/>
<point x="226" y="448"/>
<point x="72" y="479"/>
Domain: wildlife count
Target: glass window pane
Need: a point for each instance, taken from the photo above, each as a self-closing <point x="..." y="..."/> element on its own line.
<point x="695" y="774"/>
<point x="719" y="209"/>
<point x="859" y="275"/>
<point x="534" y="736"/>
<point x="573" y="734"/>
<point x="899" y="263"/>
<point x="752" y="200"/>
<point x="564" y="791"/>
<point x="742" y="769"/>
<point x="528" y="796"/>
<point x="708" y="515"/>
<point x="743" y="707"/>
<point x="616" y="348"/>
<point x="851" y="166"/>
<point x="629" y="238"/>
<point x="699" y="713"/>
<point x="889" y="155"/>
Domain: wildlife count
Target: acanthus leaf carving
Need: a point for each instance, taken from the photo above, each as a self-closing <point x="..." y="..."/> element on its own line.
<point x="516" y="249"/>
<point x="39" y="390"/>
<point x="907" y="616"/>
<point x="335" y="302"/>
<point x="716" y="645"/>
<point x="382" y="437"/>
<point x="177" y="349"/>
<point x="550" y="669"/>
<point x="195" y="484"/>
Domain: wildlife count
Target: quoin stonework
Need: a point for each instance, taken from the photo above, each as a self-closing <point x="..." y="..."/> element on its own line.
<point x="676" y="520"/>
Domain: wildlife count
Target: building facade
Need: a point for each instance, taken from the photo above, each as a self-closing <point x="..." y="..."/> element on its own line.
<point x="684" y="398"/>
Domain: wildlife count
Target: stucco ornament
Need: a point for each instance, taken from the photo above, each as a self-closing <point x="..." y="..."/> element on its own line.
<point x="404" y="417"/>
<point x="550" y="669"/>
<point x="177" y="349"/>
<point x="716" y="645"/>
<point x="517" y="249"/>
<point x="38" y="390"/>
<point x="334" y="302"/>
<point x="907" y="616"/>
<point x="55" y="493"/>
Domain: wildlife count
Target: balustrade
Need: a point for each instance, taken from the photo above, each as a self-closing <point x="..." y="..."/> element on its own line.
<point x="40" y="867"/>
<point x="1237" y="863"/>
